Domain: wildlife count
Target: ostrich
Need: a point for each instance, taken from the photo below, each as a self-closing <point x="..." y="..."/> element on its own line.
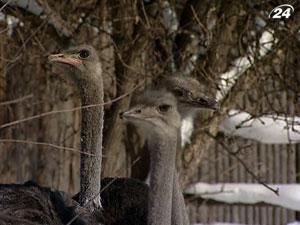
<point x="190" y="101"/>
<point x="156" y="111"/>
<point x="122" y="198"/>
<point x="85" y="70"/>
<point x="32" y="204"/>
<point x="126" y="199"/>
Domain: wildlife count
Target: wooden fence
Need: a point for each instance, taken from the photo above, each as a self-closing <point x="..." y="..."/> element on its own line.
<point x="271" y="163"/>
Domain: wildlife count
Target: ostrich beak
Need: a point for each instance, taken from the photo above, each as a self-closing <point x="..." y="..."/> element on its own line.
<point x="65" y="59"/>
<point x="203" y="102"/>
<point x="134" y="113"/>
<point x="208" y="103"/>
<point x="126" y="115"/>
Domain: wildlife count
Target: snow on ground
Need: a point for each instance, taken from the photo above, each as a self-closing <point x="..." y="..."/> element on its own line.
<point x="289" y="194"/>
<point x="268" y="129"/>
<point x="294" y="223"/>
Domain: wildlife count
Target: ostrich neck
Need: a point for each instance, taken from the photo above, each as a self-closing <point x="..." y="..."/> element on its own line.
<point x="162" y="150"/>
<point x="179" y="211"/>
<point x="91" y="142"/>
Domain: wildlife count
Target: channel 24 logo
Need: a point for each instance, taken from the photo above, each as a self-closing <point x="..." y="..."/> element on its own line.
<point x="282" y="12"/>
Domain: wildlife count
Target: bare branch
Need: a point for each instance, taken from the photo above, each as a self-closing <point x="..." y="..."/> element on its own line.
<point x="57" y="147"/>
<point x="13" y="123"/>
<point x="21" y="99"/>
<point x="276" y="191"/>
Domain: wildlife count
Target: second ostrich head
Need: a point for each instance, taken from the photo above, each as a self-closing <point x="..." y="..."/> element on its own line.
<point x="154" y="110"/>
<point x="187" y="92"/>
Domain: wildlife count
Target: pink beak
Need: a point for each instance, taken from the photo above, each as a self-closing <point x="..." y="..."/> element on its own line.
<point x="62" y="58"/>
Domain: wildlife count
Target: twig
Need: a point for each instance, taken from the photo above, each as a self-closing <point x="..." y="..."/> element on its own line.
<point x="68" y="110"/>
<point x="18" y="53"/>
<point x="6" y="3"/>
<point x="17" y="100"/>
<point x="58" y="147"/>
<point x="275" y="191"/>
<point x="55" y="20"/>
<point x="198" y="20"/>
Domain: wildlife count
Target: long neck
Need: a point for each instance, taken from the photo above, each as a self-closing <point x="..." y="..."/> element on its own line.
<point x="162" y="148"/>
<point x="179" y="211"/>
<point x="91" y="143"/>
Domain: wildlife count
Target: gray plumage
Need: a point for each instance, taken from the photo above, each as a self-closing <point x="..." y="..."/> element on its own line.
<point x="85" y="70"/>
<point x="156" y="112"/>
<point x="190" y="101"/>
<point x="187" y="91"/>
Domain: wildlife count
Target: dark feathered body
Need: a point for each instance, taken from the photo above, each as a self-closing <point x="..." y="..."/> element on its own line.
<point x="31" y="204"/>
<point x="124" y="201"/>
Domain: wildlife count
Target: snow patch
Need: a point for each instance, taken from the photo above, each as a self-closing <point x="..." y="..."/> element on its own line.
<point x="169" y="17"/>
<point x="241" y="64"/>
<point x="29" y="5"/>
<point x="11" y="22"/>
<point x="187" y="128"/>
<point x="268" y="129"/>
<point x="289" y="194"/>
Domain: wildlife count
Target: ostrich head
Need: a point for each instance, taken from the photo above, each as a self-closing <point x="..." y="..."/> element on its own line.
<point x="154" y="110"/>
<point x="187" y="92"/>
<point x="81" y="61"/>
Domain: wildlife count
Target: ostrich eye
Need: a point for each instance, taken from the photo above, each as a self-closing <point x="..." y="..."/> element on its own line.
<point x="84" y="54"/>
<point x="138" y="111"/>
<point x="164" y="108"/>
<point x="202" y="101"/>
<point x="178" y="92"/>
<point x="190" y="94"/>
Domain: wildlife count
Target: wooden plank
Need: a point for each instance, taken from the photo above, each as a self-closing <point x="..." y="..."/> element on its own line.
<point x="257" y="215"/>
<point x="269" y="215"/>
<point x="279" y="217"/>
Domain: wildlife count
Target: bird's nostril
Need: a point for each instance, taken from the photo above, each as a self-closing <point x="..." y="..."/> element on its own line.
<point x="202" y="101"/>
